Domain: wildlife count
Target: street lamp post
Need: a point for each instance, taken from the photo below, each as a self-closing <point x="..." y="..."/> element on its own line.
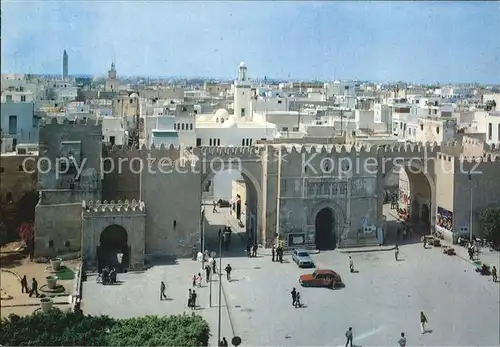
<point x="203" y="236"/>
<point x="471" y="199"/>
<point x="220" y="288"/>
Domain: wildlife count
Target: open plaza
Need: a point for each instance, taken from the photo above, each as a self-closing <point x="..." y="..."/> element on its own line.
<point x="381" y="299"/>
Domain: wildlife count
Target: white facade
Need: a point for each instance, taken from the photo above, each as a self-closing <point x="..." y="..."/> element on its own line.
<point x="164" y="132"/>
<point x="64" y="90"/>
<point x="19" y="122"/>
<point x="112" y="131"/>
<point x="488" y="123"/>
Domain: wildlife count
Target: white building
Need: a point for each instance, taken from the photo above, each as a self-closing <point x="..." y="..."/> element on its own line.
<point x="19" y="122"/>
<point x="488" y="123"/>
<point x="64" y="91"/>
<point x="113" y="132"/>
<point x="243" y="128"/>
<point x="164" y="132"/>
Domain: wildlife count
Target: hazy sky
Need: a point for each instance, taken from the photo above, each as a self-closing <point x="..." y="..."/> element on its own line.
<point x="417" y="42"/>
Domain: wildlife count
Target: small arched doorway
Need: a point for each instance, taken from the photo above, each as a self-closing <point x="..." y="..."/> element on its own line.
<point x="415" y="212"/>
<point x="325" y="229"/>
<point x="113" y="249"/>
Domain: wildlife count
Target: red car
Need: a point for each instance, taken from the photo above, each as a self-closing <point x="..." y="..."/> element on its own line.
<point x="321" y="278"/>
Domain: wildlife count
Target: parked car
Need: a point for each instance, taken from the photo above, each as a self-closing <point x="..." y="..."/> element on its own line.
<point x="321" y="278"/>
<point x="302" y="258"/>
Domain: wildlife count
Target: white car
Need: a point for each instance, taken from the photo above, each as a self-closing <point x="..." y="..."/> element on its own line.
<point x="302" y="258"/>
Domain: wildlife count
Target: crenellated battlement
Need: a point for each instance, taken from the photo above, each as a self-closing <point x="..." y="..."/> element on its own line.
<point x="49" y="122"/>
<point x="486" y="158"/>
<point x="118" y="207"/>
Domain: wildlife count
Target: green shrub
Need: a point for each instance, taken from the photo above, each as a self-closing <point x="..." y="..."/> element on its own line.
<point x="59" y="328"/>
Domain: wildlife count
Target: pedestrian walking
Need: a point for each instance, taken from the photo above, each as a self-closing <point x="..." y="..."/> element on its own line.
<point x="273" y="253"/>
<point x="297" y="301"/>
<point x="193" y="299"/>
<point x="162" y="291"/>
<point x="254" y="250"/>
<point x="348" y="335"/>
<point x="194" y="281"/>
<point x="423" y="321"/>
<point x="198" y="280"/>
<point x="207" y="273"/>
<point x="214" y="267"/>
<point x="294" y="296"/>
<point x="280" y="254"/>
<point x="494" y="274"/>
<point x="228" y="272"/>
<point x="34" y="288"/>
<point x="396" y="253"/>
<point x="425" y="242"/>
<point x="24" y="285"/>
<point x="402" y="340"/>
<point x="190" y="298"/>
<point x="214" y="210"/>
<point x="351" y="264"/>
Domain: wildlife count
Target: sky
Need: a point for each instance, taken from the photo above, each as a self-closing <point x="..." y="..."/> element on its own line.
<point x="420" y="42"/>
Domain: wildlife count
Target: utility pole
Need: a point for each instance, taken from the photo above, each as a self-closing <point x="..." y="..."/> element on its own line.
<point x="220" y="289"/>
<point x="470" y="217"/>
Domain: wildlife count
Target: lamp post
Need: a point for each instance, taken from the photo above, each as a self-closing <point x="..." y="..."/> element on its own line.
<point x="220" y="288"/>
<point x="470" y="217"/>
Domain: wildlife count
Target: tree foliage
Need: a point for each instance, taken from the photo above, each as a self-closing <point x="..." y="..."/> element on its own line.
<point x="58" y="328"/>
<point x="490" y="221"/>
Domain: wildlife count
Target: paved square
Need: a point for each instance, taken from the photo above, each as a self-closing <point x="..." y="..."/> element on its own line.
<point x="380" y="301"/>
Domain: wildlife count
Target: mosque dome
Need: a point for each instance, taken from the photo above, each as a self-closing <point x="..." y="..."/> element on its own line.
<point x="242" y="64"/>
<point x="221" y="113"/>
<point x="134" y="95"/>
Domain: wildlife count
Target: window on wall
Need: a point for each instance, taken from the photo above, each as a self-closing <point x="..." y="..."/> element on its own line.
<point x="243" y="112"/>
<point x="12" y="125"/>
<point x="437" y="130"/>
<point x="242" y="142"/>
<point x="191" y="126"/>
<point x="251" y="142"/>
<point x="490" y="131"/>
<point x="182" y="126"/>
<point x="23" y="98"/>
<point x="218" y="142"/>
<point x="210" y="142"/>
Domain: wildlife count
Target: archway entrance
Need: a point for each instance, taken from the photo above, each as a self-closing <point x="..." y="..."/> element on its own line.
<point x="414" y="200"/>
<point x="25" y="209"/>
<point x="113" y="249"/>
<point x="237" y="199"/>
<point x="325" y="230"/>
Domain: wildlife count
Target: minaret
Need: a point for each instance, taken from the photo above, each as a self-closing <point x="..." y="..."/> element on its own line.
<point x="65" y="65"/>
<point x="242" y="94"/>
<point x="112" y="83"/>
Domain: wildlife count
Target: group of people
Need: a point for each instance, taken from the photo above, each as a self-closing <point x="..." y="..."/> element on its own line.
<point x="108" y="276"/>
<point x="192" y="296"/>
<point x="26" y="290"/>
<point x="277" y="254"/>
<point x="252" y="250"/>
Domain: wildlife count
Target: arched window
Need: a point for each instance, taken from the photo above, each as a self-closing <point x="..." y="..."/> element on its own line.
<point x="242" y="142"/>
<point x="182" y="126"/>
<point x="191" y="126"/>
<point x="250" y="142"/>
<point x="210" y="142"/>
<point x="218" y="142"/>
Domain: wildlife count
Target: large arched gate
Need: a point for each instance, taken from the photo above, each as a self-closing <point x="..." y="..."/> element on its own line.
<point x="113" y="250"/>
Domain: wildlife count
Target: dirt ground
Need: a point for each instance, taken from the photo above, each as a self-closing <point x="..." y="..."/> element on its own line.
<point x="12" y="300"/>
